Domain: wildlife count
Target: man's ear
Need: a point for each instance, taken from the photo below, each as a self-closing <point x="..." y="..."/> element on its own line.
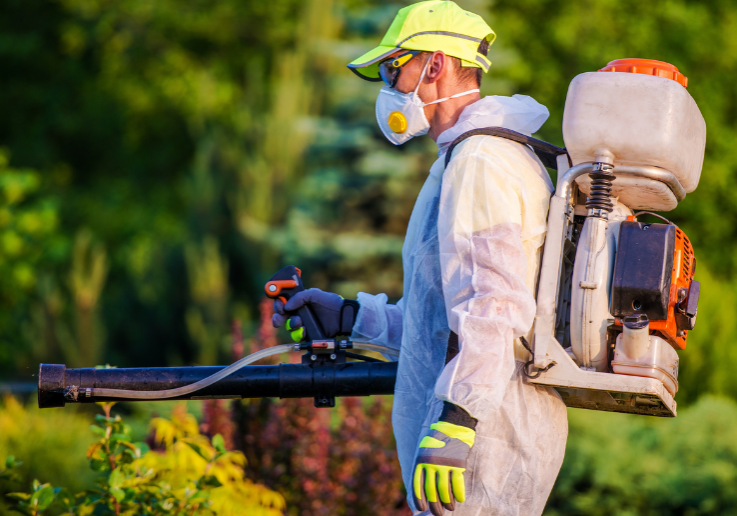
<point x="437" y="66"/>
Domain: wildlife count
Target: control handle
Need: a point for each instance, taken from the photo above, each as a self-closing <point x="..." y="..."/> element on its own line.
<point x="285" y="284"/>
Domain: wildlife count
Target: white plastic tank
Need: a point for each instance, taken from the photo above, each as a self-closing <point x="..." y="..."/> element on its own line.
<point x="639" y="112"/>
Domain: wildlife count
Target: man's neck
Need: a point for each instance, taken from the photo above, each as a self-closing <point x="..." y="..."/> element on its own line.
<point x="446" y="114"/>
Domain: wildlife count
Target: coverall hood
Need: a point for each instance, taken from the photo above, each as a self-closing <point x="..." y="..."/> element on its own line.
<point x="519" y="113"/>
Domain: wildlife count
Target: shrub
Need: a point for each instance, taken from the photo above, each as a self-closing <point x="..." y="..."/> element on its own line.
<point x="191" y="475"/>
<point x="620" y="465"/>
<point x="349" y="467"/>
<point x="50" y="443"/>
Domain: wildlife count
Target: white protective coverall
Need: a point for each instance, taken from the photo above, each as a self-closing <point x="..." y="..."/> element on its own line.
<point x="471" y="258"/>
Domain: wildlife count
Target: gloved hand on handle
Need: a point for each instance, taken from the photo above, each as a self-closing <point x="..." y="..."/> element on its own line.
<point x="335" y="314"/>
<point x="438" y="478"/>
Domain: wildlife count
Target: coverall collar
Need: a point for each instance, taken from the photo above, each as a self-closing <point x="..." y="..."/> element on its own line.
<point x="518" y="112"/>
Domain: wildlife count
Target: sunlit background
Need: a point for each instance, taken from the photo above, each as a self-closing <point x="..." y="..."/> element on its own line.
<point x="160" y="160"/>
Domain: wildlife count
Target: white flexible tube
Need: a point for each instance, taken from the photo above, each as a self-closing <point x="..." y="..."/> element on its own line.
<point x="232" y="368"/>
<point x="188" y="389"/>
<point x="375" y="347"/>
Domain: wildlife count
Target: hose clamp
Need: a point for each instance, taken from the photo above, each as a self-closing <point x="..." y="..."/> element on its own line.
<point x="71" y="393"/>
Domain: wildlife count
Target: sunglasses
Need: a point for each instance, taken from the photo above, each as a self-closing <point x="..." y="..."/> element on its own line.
<point x="389" y="69"/>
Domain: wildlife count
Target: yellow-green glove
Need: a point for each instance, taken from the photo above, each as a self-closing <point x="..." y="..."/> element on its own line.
<point x="438" y="476"/>
<point x="298" y="334"/>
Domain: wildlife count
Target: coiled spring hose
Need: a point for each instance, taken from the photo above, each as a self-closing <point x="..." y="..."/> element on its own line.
<point x="232" y="368"/>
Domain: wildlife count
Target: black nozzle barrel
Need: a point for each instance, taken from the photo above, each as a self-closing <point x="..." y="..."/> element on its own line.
<point x="256" y="381"/>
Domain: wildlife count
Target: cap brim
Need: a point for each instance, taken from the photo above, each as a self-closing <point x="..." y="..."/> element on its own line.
<point x="367" y="66"/>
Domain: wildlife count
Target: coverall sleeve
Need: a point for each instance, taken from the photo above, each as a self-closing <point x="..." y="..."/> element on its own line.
<point x="378" y="322"/>
<point x="484" y="271"/>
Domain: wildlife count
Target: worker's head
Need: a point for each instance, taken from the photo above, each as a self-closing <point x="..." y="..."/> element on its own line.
<point x="402" y="70"/>
<point x="432" y="50"/>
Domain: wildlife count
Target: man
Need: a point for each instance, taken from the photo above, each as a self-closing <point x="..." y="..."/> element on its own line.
<point x="473" y="436"/>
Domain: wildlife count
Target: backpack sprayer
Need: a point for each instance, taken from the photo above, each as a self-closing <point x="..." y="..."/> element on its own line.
<point x="616" y="297"/>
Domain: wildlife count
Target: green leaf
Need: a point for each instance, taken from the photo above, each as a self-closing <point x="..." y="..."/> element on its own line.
<point x="23" y="497"/>
<point x="99" y="465"/>
<point x="208" y="481"/>
<point x="10" y="462"/>
<point x="118" y="493"/>
<point x="36" y="484"/>
<point x="143" y="448"/>
<point x="119" y="437"/>
<point x="97" y="430"/>
<point x="42" y="498"/>
<point x="219" y="443"/>
<point x="199" y="495"/>
<point x="116" y="478"/>
<point x="197" y="449"/>
<point x="64" y="497"/>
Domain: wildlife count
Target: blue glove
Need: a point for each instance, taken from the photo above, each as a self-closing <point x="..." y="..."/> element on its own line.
<point x="335" y="314"/>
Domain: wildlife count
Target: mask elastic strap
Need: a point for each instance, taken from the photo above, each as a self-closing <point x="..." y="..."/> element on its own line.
<point x="453" y="96"/>
<point x="422" y="76"/>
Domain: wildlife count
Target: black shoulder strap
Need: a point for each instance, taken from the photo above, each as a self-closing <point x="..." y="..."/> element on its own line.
<point x="547" y="152"/>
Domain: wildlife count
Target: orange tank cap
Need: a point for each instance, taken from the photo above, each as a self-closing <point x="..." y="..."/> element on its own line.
<point x="647" y="67"/>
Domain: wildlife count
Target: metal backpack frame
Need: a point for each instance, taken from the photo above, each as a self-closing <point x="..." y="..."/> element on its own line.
<point x="578" y="387"/>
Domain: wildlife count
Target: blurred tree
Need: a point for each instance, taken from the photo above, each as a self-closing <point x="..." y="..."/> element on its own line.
<point x="87" y="279"/>
<point x="29" y="241"/>
<point x="207" y="318"/>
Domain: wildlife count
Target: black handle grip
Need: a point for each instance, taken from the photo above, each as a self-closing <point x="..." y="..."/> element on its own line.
<point x="285" y="284"/>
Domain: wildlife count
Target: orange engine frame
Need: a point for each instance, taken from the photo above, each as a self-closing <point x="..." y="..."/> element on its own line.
<point x="684" y="268"/>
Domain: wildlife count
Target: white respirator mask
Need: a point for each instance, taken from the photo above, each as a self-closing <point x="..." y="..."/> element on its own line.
<point x="401" y="116"/>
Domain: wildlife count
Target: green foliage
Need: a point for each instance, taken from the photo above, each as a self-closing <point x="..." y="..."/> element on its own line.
<point x="8" y="476"/>
<point x="50" y="443"/>
<point x="27" y="226"/>
<point x="704" y="364"/>
<point x="41" y="498"/>
<point x="201" y="120"/>
<point x="28" y="242"/>
<point x="630" y="465"/>
<point x="191" y="475"/>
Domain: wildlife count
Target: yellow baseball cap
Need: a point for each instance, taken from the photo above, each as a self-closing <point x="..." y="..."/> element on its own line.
<point x="430" y="26"/>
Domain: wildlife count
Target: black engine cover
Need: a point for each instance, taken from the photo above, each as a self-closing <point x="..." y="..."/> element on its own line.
<point x="643" y="270"/>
